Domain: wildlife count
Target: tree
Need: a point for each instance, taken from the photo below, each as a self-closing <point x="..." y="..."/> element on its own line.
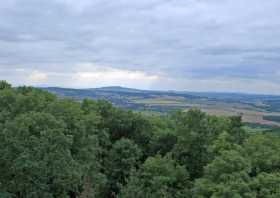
<point x="4" y="85"/>
<point x="122" y="159"/>
<point x="51" y="139"/>
<point x="194" y="137"/>
<point x="22" y="100"/>
<point x="8" y="105"/>
<point x="226" y="176"/>
<point x="162" y="144"/>
<point x="35" y="157"/>
<point x="267" y="185"/>
<point x="223" y="142"/>
<point x="237" y="133"/>
<point x="264" y="152"/>
<point x="158" y="177"/>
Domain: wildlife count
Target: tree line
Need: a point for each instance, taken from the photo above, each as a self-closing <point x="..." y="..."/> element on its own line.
<point x="55" y="148"/>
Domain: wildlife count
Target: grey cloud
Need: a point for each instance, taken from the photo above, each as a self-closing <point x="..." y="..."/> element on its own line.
<point x="235" y="50"/>
<point x="180" y="38"/>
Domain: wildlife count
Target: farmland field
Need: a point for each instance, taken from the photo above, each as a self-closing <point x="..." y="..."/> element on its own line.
<point x="254" y="109"/>
<point x="249" y="113"/>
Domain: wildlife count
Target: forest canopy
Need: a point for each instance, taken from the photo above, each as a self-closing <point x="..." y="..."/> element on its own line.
<point x="54" y="147"/>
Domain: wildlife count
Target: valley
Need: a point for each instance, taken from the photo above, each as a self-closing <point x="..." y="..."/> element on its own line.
<point x="263" y="110"/>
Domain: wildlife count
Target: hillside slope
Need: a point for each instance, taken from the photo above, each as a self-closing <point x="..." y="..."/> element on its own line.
<point x="254" y="108"/>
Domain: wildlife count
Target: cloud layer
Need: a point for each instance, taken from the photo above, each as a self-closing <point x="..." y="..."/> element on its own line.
<point x="198" y="45"/>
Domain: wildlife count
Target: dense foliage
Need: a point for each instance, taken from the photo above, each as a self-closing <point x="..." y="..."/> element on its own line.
<point x="56" y="148"/>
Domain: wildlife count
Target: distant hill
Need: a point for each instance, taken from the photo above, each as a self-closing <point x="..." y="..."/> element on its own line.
<point x="254" y="108"/>
<point x="118" y="89"/>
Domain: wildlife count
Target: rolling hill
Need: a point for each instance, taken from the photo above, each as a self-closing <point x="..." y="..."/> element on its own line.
<point x="255" y="109"/>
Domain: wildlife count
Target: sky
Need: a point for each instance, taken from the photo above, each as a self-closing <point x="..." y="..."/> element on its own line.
<point x="191" y="45"/>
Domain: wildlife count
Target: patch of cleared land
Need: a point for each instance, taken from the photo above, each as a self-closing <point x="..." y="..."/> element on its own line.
<point x="256" y="109"/>
<point x="249" y="116"/>
<point x="248" y="112"/>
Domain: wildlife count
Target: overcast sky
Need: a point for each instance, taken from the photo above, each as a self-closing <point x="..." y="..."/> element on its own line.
<point x="195" y="45"/>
